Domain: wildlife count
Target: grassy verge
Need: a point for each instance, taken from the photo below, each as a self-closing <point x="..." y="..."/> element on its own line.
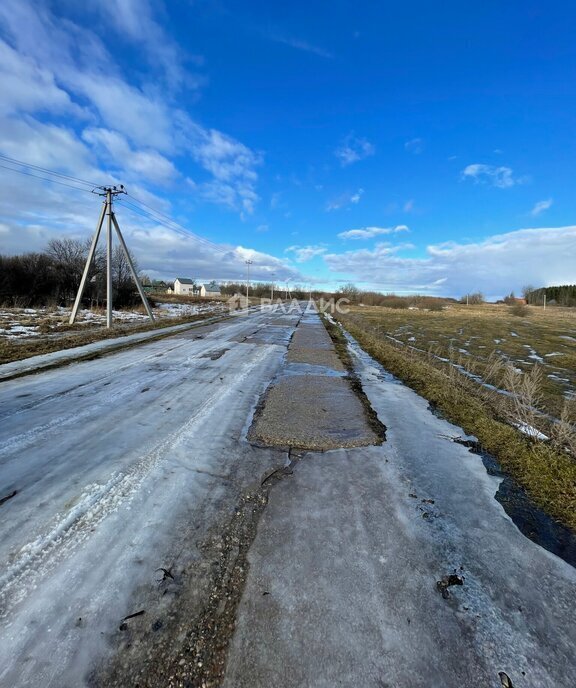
<point x="548" y="475"/>
<point x="17" y="351"/>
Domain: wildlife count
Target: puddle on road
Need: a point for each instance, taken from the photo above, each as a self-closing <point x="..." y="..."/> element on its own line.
<point x="530" y="520"/>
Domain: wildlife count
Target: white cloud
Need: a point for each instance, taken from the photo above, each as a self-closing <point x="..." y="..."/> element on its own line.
<point x="28" y="86"/>
<point x="371" y="232"/>
<point x="354" y="149"/>
<point x="51" y="64"/>
<point x="146" y="163"/>
<point x="541" y="206"/>
<point x="414" y="146"/>
<point x="305" y="253"/>
<point x="500" y="177"/>
<point x="344" y="200"/>
<point x="494" y="266"/>
<point x="134" y="20"/>
<point x="409" y="206"/>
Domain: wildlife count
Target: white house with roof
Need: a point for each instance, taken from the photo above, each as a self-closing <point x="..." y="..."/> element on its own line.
<point x="188" y="287"/>
<point x="210" y="289"/>
<point x="183" y="285"/>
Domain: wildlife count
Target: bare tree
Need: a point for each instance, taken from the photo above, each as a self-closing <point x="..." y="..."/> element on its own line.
<point x="527" y="292"/>
<point x="68" y="260"/>
<point x="350" y="291"/>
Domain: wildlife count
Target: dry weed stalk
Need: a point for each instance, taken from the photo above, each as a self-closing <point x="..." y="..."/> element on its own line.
<point x="563" y="433"/>
<point x="525" y="397"/>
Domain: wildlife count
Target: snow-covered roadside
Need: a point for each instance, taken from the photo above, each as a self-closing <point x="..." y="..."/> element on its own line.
<point x="23" y="323"/>
<point x="49" y="360"/>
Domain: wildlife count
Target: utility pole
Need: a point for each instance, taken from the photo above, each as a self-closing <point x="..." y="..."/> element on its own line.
<point x="109" y="192"/>
<point x="109" y="298"/>
<point x="248" y="263"/>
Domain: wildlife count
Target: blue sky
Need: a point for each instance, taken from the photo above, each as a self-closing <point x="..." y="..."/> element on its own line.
<point x="423" y="148"/>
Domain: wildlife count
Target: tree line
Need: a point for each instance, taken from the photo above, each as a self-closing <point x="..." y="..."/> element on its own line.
<point x="564" y="295"/>
<point x="51" y="277"/>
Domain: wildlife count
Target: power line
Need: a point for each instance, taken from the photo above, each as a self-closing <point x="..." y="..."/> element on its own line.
<point x="46" y="170"/>
<point x="46" y="179"/>
<point x="178" y="227"/>
<point x="173" y="225"/>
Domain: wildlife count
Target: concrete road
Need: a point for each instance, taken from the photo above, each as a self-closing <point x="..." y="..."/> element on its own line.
<point x="145" y="541"/>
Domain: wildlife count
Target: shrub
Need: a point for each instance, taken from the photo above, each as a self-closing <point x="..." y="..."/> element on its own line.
<point x="519" y="309"/>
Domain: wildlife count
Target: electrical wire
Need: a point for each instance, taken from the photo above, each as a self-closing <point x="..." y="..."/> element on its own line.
<point x="168" y="223"/>
<point x="46" y="170"/>
<point x="46" y="179"/>
<point x="176" y="226"/>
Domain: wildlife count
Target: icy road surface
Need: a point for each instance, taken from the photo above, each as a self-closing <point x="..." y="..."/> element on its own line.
<point x="114" y="461"/>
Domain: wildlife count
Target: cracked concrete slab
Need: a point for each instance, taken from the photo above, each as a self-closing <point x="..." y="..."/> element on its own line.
<point x="314" y="408"/>
<point x="312" y="412"/>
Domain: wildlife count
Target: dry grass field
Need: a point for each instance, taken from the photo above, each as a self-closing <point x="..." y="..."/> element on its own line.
<point x="473" y="336"/>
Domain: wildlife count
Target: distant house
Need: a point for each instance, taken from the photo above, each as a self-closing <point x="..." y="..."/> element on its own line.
<point x="212" y="289"/>
<point x="156" y="285"/>
<point x="185" y="286"/>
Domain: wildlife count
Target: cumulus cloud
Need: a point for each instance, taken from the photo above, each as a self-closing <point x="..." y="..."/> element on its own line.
<point x="494" y="266"/>
<point x="500" y="177"/>
<point x="344" y="200"/>
<point x="305" y="253"/>
<point x="371" y="232"/>
<point x="354" y="149"/>
<point x="541" y="206"/>
<point x="149" y="164"/>
<point x="414" y="146"/>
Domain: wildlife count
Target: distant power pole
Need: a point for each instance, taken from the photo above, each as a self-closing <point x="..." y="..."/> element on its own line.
<point x="248" y="263"/>
<point x="109" y="192"/>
